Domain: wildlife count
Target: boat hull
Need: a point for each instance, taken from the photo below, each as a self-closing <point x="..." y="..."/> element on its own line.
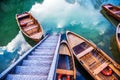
<point x="93" y="59"/>
<point x="29" y="26"/>
<point x="66" y="66"/>
<point x="112" y="10"/>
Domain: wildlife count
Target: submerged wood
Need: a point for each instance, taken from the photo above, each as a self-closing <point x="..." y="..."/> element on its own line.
<point x="29" y="26"/>
<point x="112" y="10"/>
<point x="93" y="59"/>
<point x="66" y="65"/>
<point x="118" y="36"/>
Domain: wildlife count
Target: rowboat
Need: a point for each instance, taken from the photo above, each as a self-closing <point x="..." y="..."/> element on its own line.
<point x="118" y="36"/>
<point x="66" y="67"/>
<point x="112" y="10"/>
<point x="29" y="26"/>
<point x="99" y="65"/>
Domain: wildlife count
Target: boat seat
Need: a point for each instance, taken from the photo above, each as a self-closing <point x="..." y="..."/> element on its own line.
<point x="114" y="69"/>
<point x="117" y="12"/>
<point x="29" y="32"/>
<point x="32" y="31"/>
<point x="92" y="63"/>
<point x="80" y="47"/>
<point x="36" y="35"/>
<point x="30" y="23"/>
<point x="25" y="21"/>
<point x="30" y="27"/>
<point x="86" y="51"/>
<point x="101" y="67"/>
<point x="22" y="15"/>
<point x="63" y="71"/>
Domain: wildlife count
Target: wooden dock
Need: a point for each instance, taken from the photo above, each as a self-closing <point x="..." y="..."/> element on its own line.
<point x="39" y="63"/>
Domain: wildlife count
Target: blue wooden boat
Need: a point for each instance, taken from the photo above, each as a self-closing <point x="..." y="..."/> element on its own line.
<point x="66" y="66"/>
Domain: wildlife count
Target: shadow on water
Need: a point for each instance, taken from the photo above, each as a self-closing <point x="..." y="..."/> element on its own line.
<point x="113" y="43"/>
<point x="81" y="73"/>
<point x="110" y="18"/>
<point x="30" y="41"/>
<point x="9" y="8"/>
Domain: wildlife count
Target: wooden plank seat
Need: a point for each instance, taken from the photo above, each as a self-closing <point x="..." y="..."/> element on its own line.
<point x="80" y="47"/>
<point x="25" y="21"/>
<point x="101" y="67"/>
<point x="66" y="72"/>
<point x="32" y="31"/>
<point x="114" y="69"/>
<point x="109" y="6"/>
<point x="30" y="23"/>
<point x="117" y="12"/>
<point x="85" y="52"/>
<point x="22" y="15"/>
<point x="36" y="35"/>
<point x="30" y="27"/>
<point x="92" y="63"/>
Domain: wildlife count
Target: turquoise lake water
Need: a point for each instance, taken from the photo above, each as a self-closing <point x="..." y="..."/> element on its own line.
<point x="80" y="16"/>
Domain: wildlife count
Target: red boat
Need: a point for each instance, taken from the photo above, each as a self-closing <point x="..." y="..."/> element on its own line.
<point x="112" y="10"/>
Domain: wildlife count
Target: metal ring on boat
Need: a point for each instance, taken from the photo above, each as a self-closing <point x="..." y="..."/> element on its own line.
<point x="107" y="73"/>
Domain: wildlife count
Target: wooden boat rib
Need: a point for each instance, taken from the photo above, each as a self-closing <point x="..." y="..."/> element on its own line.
<point x="66" y="66"/>
<point x="94" y="60"/>
<point x="112" y="10"/>
<point x="118" y="36"/>
<point x="29" y="26"/>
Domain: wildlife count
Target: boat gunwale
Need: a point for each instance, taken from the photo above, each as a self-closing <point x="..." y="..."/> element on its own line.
<point x="99" y="50"/>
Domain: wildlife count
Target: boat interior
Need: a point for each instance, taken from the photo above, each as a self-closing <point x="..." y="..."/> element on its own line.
<point x="65" y="67"/>
<point x="108" y="6"/>
<point x="115" y="10"/>
<point x="65" y="64"/>
<point x="80" y="47"/>
<point x="93" y="60"/>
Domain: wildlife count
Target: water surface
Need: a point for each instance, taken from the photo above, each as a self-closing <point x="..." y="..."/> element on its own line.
<point x="80" y="16"/>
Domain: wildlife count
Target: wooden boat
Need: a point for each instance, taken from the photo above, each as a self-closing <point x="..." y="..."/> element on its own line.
<point x="66" y="66"/>
<point x="29" y="26"/>
<point x="99" y="65"/>
<point x="112" y="10"/>
<point x="118" y="36"/>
